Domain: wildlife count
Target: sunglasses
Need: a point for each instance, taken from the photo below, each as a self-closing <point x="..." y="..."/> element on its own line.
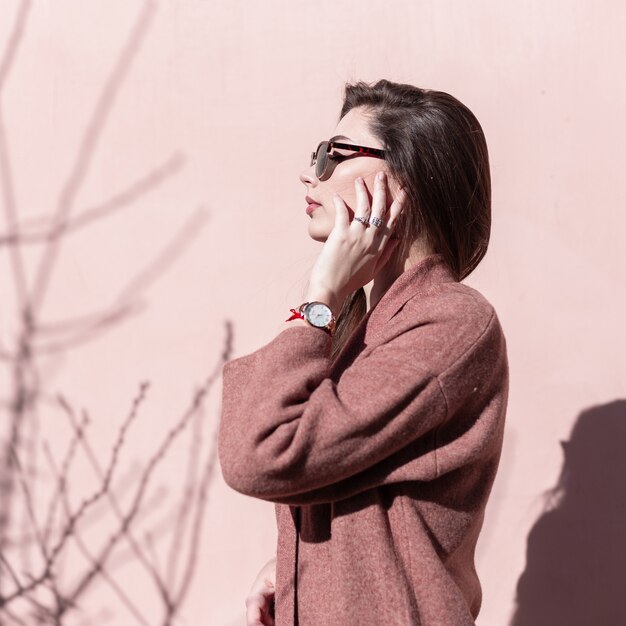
<point x="325" y="163"/>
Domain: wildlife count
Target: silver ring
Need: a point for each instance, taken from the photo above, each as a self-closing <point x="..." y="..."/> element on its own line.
<point x="363" y="220"/>
<point x="376" y="221"/>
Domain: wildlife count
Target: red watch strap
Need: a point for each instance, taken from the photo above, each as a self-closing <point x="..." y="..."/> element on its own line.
<point x="295" y="315"/>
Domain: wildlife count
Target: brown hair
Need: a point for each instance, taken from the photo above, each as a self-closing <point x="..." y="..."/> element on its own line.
<point x="437" y="151"/>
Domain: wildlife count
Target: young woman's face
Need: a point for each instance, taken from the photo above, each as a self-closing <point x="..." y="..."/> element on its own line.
<point x="321" y="220"/>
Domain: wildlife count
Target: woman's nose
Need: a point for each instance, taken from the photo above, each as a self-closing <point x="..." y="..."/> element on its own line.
<point x="308" y="177"/>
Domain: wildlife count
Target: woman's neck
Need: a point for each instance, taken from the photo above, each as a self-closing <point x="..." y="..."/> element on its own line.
<point x="375" y="289"/>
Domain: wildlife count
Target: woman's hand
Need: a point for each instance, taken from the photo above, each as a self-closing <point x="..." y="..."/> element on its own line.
<point x="260" y="599"/>
<point x="354" y="252"/>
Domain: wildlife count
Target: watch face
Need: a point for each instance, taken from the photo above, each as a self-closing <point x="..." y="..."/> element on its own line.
<point x="318" y="314"/>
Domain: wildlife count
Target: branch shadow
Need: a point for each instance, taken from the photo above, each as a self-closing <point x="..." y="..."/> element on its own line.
<point x="41" y="579"/>
<point x="576" y="551"/>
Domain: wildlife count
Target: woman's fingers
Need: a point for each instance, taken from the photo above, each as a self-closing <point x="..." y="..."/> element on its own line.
<point x="261" y="597"/>
<point x="353" y="251"/>
<point x="258" y="608"/>
<point x="370" y="236"/>
<point x="362" y="208"/>
<point x="396" y="207"/>
<point x="385" y="244"/>
<point x="379" y="234"/>
<point x="342" y="219"/>
<point x="379" y="199"/>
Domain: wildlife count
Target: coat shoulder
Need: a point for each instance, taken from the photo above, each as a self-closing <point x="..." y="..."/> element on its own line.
<point x="445" y="322"/>
<point x="450" y="303"/>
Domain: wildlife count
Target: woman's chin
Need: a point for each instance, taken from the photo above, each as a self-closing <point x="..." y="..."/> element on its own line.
<point x="316" y="233"/>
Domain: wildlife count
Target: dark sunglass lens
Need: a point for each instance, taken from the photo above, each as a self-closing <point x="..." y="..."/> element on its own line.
<point x="320" y="163"/>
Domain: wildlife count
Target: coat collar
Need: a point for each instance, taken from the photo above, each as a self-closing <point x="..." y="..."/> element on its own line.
<point x="425" y="274"/>
<point x="421" y="277"/>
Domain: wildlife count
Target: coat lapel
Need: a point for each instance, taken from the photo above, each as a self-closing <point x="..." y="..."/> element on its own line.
<point x="422" y="276"/>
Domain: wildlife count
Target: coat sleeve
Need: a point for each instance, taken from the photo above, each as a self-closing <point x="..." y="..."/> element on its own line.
<point x="290" y="434"/>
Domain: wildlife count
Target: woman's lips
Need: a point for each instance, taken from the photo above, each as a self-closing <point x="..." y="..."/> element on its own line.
<point x="311" y="207"/>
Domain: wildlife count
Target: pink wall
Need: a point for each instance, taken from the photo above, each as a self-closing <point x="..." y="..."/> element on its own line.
<point x="204" y="113"/>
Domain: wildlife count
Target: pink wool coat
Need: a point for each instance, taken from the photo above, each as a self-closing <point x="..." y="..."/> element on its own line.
<point x="380" y="463"/>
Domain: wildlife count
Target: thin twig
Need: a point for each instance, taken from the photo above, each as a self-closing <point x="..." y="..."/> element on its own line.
<point x="84" y="506"/>
<point x="61" y="484"/>
<point x="95" y="565"/>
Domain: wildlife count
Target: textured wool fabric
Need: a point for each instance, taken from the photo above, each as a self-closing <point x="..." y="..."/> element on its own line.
<point x="380" y="463"/>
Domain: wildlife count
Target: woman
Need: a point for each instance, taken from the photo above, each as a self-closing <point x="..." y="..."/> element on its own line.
<point x="378" y="434"/>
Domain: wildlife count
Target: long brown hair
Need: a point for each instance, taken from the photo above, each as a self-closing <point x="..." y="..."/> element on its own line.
<point x="437" y="151"/>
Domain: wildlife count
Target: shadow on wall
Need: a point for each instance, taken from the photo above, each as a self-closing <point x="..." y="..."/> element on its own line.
<point x="576" y="553"/>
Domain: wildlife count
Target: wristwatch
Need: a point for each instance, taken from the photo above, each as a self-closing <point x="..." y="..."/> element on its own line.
<point x="319" y="315"/>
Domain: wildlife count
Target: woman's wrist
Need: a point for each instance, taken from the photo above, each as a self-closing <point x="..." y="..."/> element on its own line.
<point x="315" y="295"/>
<point x="327" y="297"/>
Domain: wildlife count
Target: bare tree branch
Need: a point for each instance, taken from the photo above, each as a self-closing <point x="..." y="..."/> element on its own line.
<point x="58" y="565"/>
